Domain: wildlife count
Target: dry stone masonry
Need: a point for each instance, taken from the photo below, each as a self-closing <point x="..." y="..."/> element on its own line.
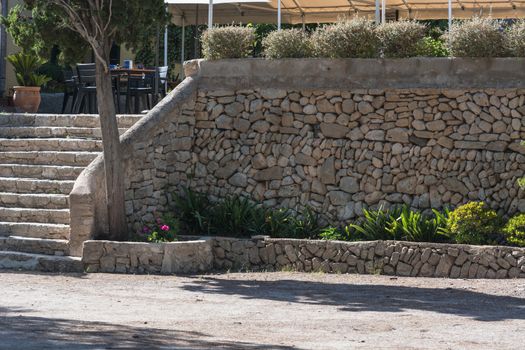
<point x="265" y="254"/>
<point x="339" y="151"/>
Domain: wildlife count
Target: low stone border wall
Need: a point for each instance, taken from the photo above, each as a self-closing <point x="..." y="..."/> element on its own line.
<point x="135" y="257"/>
<point x="267" y="254"/>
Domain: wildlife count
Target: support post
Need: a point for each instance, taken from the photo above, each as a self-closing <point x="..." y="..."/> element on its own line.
<point x="383" y="11"/>
<point x="210" y="15"/>
<point x="449" y="14"/>
<point x="182" y="49"/>
<point x="278" y="14"/>
<point x="166" y="46"/>
<point x="378" y="16"/>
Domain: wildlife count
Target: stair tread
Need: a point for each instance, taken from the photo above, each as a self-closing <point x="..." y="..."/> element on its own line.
<point x="34" y="230"/>
<point x="39" y="262"/>
<point x="58" y="247"/>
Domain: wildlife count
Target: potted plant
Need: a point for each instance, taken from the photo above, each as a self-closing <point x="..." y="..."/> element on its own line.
<point x="27" y="93"/>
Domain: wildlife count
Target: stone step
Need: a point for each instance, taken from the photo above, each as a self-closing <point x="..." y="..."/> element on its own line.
<point x="51" y="172"/>
<point x="38" y="262"/>
<point x="50" y="144"/>
<point x="29" y="185"/>
<point x="34" y="200"/>
<point x="34" y="230"/>
<point x="45" y="216"/>
<point x="58" y="247"/>
<point x="48" y="158"/>
<point x="50" y="131"/>
<point x="64" y="120"/>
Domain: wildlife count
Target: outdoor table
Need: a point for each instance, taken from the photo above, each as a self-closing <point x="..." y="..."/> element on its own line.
<point x="137" y="72"/>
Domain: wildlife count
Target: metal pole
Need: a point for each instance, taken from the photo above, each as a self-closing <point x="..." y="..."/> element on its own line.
<point x="166" y="46"/>
<point x="210" y="15"/>
<point x="449" y="14"/>
<point x="383" y="11"/>
<point x="182" y="47"/>
<point x="304" y="23"/>
<point x="378" y="15"/>
<point x="279" y="15"/>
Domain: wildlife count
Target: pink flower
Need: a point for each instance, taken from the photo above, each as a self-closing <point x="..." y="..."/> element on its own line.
<point x="145" y="229"/>
<point x="165" y="228"/>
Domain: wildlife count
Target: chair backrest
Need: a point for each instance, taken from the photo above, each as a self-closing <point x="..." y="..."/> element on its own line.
<point x="163" y="73"/>
<point x="86" y="73"/>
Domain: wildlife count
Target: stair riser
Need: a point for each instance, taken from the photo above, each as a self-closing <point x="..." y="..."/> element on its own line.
<point x="34" y="246"/>
<point x="31" y="186"/>
<point x="45" y="216"/>
<point x="34" y="230"/>
<point x="14" y="145"/>
<point x="40" y="171"/>
<point x="48" y="158"/>
<point x="77" y="121"/>
<point x="16" y="200"/>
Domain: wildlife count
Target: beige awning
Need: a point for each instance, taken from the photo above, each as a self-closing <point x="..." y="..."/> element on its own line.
<point x="323" y="11"/>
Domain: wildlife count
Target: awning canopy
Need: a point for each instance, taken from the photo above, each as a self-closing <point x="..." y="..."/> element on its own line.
<point x="324" y="11"/>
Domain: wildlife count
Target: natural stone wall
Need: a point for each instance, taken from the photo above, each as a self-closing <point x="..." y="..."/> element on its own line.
<point x="376" y="257"/>
<point x="266" y="254"/>
<point x="341" y="151"/>
<point x="133" y="257"/>
<point x="335" y="135"/>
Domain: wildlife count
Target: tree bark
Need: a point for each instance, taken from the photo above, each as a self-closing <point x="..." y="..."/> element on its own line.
<point x="118" y="229"/>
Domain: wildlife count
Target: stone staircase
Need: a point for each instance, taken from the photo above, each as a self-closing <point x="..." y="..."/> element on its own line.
<point x="40" y="158"/>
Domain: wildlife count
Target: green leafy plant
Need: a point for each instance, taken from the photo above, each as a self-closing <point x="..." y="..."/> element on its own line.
<point x="234" y="216"/>
<point x="306" y="224"/>
<point x="430" y="47"/>
<point x="417" y="227"/>
<point x="376" y="224"/>
<point x="228" y="42"/>
<point x="279" y="223"/>
<point x="474" y="223"/>
<point x="346" y="39"/>
<point x="401" y="38"/>
<point x="25" y="66"/>
<point x="333" y="233"/>
<point x="192" y="209"/>
<point x="287" y="43"/>
<point x="478" y="37"/>
<point x="514" y="230"/>
<point x="515" y="39"/>
<point x="165" y="228"/>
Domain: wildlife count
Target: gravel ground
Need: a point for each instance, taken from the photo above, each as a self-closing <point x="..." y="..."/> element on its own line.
<point x="258" y="311"/>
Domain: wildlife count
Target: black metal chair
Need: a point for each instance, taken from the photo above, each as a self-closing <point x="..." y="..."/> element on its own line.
<point x="163" y="80"/>
<point x="139" y="90"/>
<point x="70" y="90"/>
<point x="86" y="89"/>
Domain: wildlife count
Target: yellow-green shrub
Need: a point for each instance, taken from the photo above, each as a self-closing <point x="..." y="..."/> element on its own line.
<point x="474" y="223"/>
<point x="228" y="42"/>
<point x="514" y="230"/>
<point x="287" y="43"/>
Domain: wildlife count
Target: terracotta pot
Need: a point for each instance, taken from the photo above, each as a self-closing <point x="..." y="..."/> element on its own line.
<point x="27" y="98"/>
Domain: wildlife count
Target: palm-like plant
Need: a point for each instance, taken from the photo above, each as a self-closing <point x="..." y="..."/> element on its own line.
<point x="25" y="66"/>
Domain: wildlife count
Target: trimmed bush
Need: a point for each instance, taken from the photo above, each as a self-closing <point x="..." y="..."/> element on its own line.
<point x="474" y="223"/>
<point x="516" y="39"/>
<point x="430" y="47"/>
<point x="479" y="37"/>
<point x="346" y="39"/>
<point x="228" y="42"/>
<point x="401" y="39"/>
<point x="287" y="43"/>
<point x="514" y="230"/>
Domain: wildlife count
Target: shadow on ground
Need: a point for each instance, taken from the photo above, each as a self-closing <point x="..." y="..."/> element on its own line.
<point x="19" y="332"/>
<point x="377" y="298"/>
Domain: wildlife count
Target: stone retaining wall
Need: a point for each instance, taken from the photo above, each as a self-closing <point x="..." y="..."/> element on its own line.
<point x="265" y="254"/>
<point x="134" y="257"/>
<point x="335" y="135"/>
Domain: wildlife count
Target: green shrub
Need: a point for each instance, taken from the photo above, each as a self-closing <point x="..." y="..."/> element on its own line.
<point x="416" y="227"/>
<point x="514" y="230"/>
<point x="333" y="234"/>
<point x="474" y="223"/>
<point x="430" y="47"/>
<point x="377" y="224"/>
<point x="192" y="208"/>
<point x="235" y="216"/>
<point x="515" y="39"/>
<point x="287" y="43"/>
<point x="228" y="42"/>
<point x="478" y="37"/>
<point x="346" y="39"/>
<point x="401" y="39"/>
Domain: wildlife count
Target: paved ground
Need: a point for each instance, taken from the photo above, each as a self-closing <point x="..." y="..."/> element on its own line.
<point x="258" y="311"/>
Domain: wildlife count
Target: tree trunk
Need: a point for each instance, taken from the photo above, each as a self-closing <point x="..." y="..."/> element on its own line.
<point x="118" y="228"/>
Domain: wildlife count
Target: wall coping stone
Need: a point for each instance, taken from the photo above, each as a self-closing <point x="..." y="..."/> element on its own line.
<point x="358" y="73"/>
